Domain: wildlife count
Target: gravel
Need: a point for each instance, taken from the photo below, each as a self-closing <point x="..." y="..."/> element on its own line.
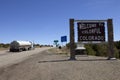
<point x="49" y="65"/>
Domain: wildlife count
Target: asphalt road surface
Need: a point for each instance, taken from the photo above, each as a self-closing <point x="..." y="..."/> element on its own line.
<point x="8" y="58"/>
<point x="49" y="65"/>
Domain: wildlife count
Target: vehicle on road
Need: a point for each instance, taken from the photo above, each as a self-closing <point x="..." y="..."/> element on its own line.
<point x="21" y="46"/>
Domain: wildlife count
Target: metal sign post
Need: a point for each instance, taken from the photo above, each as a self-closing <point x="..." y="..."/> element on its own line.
<point x="56" y="43"/>
<point x="63" y="39"/>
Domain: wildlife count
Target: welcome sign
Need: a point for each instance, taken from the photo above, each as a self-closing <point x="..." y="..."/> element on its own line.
<point x="91" y="31"/>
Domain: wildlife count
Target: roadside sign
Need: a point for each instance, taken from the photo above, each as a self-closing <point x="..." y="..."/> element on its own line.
<point x="94" y="31"/>
<point x="64" y="39"/>
<point x="55" y="41"/>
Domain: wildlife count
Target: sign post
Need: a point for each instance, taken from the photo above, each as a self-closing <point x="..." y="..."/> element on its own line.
<point x="72" y="43"/>
<point x="63" y="39"/>
<point x="110" y="39"/>
<point x="56" y="42"/>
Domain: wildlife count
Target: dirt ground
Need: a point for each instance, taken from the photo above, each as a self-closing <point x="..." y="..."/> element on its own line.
<point x="53" y="65"/>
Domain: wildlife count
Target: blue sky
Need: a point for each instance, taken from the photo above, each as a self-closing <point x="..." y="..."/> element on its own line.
<point x="44" y="21"/>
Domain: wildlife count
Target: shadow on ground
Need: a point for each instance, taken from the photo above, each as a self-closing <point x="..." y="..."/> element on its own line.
<point x="67" y="60"/>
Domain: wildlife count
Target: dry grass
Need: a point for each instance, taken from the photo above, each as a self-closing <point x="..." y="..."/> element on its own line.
<point x="63" y="51"/>
<point x="1" y="49"/>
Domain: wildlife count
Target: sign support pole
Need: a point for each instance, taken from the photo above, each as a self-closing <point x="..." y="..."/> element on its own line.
<point x="110" y="39"/>
<point x="72" y="42"/>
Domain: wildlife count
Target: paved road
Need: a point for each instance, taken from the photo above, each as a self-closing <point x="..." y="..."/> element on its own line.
<point x="49" y="65"/>
<point x="9" y="58"/>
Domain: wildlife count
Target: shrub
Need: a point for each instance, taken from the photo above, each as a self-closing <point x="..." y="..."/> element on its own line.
<point x="89" y="50"/>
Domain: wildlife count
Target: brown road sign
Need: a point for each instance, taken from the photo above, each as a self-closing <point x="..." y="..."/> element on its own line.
<point x="94" y="31"/>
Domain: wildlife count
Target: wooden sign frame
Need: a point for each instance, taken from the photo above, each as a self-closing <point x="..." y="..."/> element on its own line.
<point x="110" y="37"/>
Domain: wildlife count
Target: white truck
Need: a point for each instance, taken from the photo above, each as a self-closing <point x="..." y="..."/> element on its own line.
<point x="21" y="46"/>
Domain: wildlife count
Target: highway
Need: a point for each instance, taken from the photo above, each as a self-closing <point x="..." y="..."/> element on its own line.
<point x="8" y="58"/>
